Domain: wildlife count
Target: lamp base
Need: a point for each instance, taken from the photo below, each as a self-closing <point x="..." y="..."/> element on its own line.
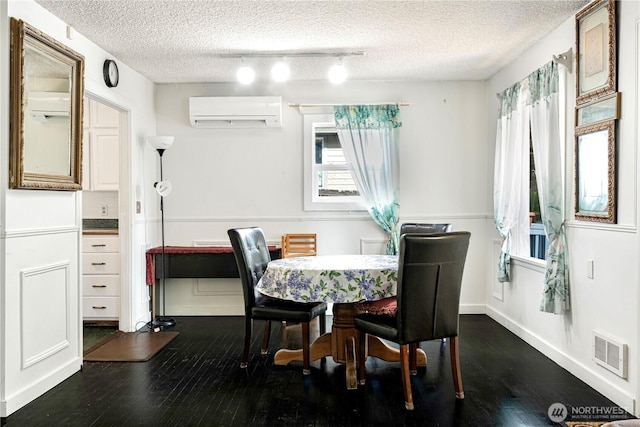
<point x="163" y="323"/>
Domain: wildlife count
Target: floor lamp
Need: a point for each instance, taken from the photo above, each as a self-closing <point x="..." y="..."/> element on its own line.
<point x="161" y="143"/>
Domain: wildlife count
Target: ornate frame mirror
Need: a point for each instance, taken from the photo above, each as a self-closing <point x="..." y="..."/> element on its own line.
<point x="46" y="91"/>
<point x="596" y="172"/>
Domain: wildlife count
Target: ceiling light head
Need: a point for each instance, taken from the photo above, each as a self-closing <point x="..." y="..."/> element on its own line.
<point x="280" y="71"/>
<point x="337" y="73"/>
<point x="245" y="74"/>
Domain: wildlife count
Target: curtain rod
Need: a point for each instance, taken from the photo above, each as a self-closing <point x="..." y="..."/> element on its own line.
<point x="400" y="104"/>
<point x="565" y="59"/>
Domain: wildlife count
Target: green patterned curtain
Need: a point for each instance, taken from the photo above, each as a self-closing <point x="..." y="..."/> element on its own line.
<point x="546" y="135"/>
<point x="369" y="137"/>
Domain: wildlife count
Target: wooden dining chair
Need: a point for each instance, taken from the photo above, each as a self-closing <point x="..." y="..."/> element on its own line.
<point x="252" y="256"/>
<point x="295" y="245"/>
<point x="430" y="268"/>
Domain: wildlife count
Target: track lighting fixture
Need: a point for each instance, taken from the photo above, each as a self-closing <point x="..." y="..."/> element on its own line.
<point x="280" y="70"/>
<point x="245" y="74"/>
<point x="337" y="73"/>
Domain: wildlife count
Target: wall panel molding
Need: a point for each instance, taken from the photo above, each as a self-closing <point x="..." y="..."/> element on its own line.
<point x="314" y="218"/>
<point x="12" y="234"/>
<point x="43" y="290"/>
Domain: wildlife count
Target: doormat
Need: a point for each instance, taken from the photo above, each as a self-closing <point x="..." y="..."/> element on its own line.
<point x="129" y="346"/>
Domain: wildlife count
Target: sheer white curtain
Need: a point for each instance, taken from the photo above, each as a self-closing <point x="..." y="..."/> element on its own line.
<point x="369" y="137"/>
<point x="530" y="111"/>
<point x="511" y="178"/>
<point x="545" y="88"/>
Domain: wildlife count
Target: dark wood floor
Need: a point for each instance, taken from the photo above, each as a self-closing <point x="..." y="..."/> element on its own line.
<point x="196" y="381"/>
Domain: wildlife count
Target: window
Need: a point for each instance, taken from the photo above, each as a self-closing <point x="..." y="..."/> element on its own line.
<point x="538" y="242"/>
<point x="328" y="183"/>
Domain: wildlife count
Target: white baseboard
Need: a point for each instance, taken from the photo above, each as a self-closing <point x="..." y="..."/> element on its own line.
<point x="206" y="310"/>
<point x="620" y="397"/>
<point x="473" y="309"/>
<point x="26" y="395"/>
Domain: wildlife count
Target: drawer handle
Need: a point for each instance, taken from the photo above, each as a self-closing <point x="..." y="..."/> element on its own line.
<point x="98" y="263"/>
<point x="101" y="245"/>
<point x="99" y="286"/>
<point x="96" y="307"/>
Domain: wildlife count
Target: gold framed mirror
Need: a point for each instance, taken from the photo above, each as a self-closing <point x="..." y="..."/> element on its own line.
<point x="46" y="92"/>
<point x="596" y="172"/>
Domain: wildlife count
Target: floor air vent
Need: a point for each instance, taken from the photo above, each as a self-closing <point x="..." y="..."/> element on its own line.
<point x="610" y="353"/>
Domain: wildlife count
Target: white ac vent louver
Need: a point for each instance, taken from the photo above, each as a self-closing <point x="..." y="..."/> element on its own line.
<point x="44" y="106"/>
<point x="610" y="353"/>
<point x="235" y="112"/>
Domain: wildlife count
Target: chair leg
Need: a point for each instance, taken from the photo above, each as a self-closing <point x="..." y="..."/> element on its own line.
<point x="323" y="324"/>
<point x="361" y="358"/>
<point x="265" y="339"/>
<point x="454" y="347"/>
<point x="322" y="328"/>
<point x="413" y="358"/>
<point x="306" y="365"/>
<point x="248" y="324"/>
<point x="406" y="378"/>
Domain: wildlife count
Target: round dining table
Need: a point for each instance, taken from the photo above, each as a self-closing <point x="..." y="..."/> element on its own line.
<point x="343" y="280"/>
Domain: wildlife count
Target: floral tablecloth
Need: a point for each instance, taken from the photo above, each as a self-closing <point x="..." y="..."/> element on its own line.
<point x="331" y="278"/>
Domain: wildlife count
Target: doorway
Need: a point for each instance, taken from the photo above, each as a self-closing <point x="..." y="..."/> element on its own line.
<point x="105" y="240"/>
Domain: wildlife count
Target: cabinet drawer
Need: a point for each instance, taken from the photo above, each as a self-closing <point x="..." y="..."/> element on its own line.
<point x="100" y="285"/>
<point x="100" y="307"/>
<point x="100" y="244"/>
<point x="101" y="263"/>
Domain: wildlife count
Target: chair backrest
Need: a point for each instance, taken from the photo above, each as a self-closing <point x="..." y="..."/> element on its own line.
<point x="425" y="228"/>
<point x="295" y="245"/>
<point x="252" y="256"/>
<point x="430" y="268"/>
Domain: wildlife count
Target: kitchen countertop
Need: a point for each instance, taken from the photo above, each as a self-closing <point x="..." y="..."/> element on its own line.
<point x="97" y="232"/>
<point x="100" y="227"/>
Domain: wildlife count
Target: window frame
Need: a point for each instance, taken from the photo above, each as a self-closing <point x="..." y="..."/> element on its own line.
<point x="312" y="201"/>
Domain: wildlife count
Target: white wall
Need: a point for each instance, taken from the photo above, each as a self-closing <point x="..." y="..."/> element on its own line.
<point x="40" y="333"/>
<point x="609" y="301"/>
<point x="229" y="178"/>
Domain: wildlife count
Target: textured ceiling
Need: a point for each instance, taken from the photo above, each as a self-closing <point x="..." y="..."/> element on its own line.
<point x="182" y="40"/>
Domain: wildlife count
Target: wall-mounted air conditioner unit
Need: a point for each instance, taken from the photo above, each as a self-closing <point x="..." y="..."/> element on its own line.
<point x="229" y="112"/>
<point x="43" y="106"/>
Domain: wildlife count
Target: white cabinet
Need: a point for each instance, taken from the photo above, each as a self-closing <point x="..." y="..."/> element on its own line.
<point x="101" y="147"/>
<point x="101" y="277"/>
<point x="104" y="155"/>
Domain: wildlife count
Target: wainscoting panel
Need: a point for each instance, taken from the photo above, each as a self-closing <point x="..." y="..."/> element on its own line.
<point x="41" y="311"/>
<point x="204" y="297"/>
<point x="44" y="304"/>
<point x="373" y="246"/>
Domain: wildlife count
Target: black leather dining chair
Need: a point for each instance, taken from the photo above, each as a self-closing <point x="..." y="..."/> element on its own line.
<point x="423" y="228"/>
<point x="430" y="268"/>
<point x="252" y="256"/>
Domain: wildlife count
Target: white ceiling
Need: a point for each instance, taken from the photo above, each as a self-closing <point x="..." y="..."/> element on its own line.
<point x="182" y="40"/>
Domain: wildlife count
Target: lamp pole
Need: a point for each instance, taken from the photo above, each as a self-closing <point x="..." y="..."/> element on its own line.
<point x="162" y="322"/>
